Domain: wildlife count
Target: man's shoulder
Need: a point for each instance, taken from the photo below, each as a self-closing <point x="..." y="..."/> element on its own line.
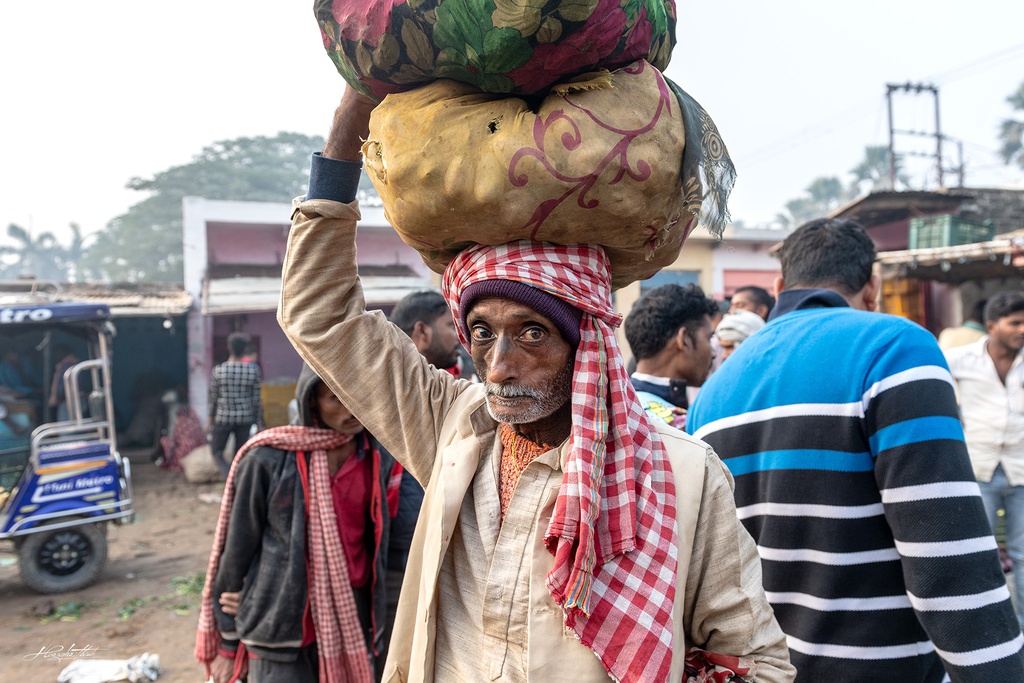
<point x="468" y="413"/>
<point x="843" y="317"/>
<point x="869" y="332"/>
<point x="679" y="445"/>
<point x="975" y="348"/>
<point x="267" y="457"/>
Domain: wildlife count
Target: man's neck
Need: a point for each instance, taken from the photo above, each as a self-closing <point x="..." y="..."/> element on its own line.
<point x="658" y="366"/>
<point x="1000" y="352"/>
<point x="336" y="457"/>
<point x="651" y="379"/>
<point x="551" y="430"/>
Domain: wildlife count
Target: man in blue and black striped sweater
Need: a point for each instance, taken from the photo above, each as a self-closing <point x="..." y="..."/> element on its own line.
<point x="840" y="427"/>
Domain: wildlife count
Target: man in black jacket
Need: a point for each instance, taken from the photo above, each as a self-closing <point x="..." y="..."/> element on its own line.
<point x="271" y="553"/>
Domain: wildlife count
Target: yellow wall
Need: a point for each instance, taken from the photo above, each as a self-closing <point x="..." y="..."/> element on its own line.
<point x="696" y="255"/>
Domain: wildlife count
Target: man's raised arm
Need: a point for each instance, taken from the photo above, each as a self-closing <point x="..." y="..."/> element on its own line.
<point x="371" y="365"/>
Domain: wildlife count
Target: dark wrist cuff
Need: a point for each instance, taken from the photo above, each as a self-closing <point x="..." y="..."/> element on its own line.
<point x="333" y="179"/>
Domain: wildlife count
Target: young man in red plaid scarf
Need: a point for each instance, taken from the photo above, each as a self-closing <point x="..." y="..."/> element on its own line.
<point x="295" y="586"/>
<point x="562" y="535"/>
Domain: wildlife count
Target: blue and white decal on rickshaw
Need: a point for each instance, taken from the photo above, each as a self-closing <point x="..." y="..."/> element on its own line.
<point x="76" y="483"/>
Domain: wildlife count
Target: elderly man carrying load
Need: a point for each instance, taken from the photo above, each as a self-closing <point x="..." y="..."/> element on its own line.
<point x="563" y="536"/>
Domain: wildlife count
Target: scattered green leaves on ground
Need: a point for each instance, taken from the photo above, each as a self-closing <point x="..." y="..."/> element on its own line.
<point x="65" y="611"/>
<point x="129" y="608"/>
<point x="181" y="609"/>
<point x="190" y="584"/>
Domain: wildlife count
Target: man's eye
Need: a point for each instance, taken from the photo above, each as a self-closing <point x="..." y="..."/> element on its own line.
<point x="480" y="333"/>
<point x="533" y="333"/>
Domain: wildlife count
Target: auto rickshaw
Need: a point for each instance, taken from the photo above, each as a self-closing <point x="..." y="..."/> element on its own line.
<point x="62" y="480"/>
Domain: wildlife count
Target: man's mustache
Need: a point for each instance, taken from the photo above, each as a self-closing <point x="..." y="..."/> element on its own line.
<point x="511" y="390"/>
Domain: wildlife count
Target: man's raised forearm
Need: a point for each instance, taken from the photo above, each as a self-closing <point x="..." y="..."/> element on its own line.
<point x="350" y="127"/>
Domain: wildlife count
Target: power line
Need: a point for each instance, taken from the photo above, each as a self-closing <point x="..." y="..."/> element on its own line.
<point x="990" y="60"/>
<point x="805" y="135"/>
<point x="855" y="112"/>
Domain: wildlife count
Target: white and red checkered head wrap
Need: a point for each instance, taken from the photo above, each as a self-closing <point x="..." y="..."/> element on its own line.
<point x="613" y="530"/>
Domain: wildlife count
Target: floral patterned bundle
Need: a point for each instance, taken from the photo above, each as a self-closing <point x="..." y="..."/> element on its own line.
<point x="500" y="46"/>
<point x="599" y="162"/>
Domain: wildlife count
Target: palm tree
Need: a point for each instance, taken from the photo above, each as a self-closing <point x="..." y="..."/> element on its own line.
<point x="874" y="170"/>
<point x="34" y="256"/>
<point x="1011" y="133"/>
<point x="824" y="195"/>
<point x="69" y="258"/>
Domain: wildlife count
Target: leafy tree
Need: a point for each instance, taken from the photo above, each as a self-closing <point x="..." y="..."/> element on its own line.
<point x="827" y="193"/>
<point x="70" y="258"/>
<point x="43" y="256"/>
<point x="872" y="173"/>
<point x="145" y="243"/>
<point x="1011" y="132"/>
<point x="31" y="255"/>
<point x="822" y="196"/>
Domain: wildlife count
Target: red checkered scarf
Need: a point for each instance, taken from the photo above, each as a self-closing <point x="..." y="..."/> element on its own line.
<point x="339" y="635"/>
<point x="613" y="531"/>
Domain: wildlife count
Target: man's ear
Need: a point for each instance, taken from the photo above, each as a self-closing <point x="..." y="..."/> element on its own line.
<point x="421" y="335"/>
<point x="682" y="340"/>
<point x="780" y="285"/>
<point x="869" y="294"/>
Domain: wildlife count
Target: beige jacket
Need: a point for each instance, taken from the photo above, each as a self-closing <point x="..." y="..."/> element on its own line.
<point x="439" y="429"/>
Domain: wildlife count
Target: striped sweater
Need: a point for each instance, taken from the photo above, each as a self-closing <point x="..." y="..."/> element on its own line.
<point x="842" y="432"/>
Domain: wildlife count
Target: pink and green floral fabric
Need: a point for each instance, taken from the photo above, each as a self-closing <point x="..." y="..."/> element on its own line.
<point x="517" y="47"/>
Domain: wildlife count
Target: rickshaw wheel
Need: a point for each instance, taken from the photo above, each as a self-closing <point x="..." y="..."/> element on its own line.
<point x="62" y="560"/>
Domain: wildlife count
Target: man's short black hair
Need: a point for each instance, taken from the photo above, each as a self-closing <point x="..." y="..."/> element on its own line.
<point x="657" y="316"/>
<point x="238" y="343"/>
<point x="760" y="295"/>
<point x="828" y="253"/>
<point x="1002" y="305"/>
<point x="978" y="311"/>
<point x="426" y="306"/>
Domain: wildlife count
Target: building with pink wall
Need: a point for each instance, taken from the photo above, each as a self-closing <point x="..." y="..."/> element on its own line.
<point x="233" y="256"/>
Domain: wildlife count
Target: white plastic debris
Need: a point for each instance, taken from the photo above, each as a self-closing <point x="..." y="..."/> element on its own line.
<point x="145" y="667"/>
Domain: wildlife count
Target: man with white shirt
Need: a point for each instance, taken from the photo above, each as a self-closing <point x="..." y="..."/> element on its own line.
<point x="990" y="381"/>
<point x="669" y="331"/>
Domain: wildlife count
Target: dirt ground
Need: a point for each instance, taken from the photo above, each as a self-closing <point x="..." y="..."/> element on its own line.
<point x="146" y="599"/>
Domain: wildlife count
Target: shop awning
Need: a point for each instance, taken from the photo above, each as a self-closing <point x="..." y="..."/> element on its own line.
<point x="262" y="294"/>
<point x="1001" y="257"/>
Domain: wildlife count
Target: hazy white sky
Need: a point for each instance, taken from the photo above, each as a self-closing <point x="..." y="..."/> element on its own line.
<point x="97" y="93"/>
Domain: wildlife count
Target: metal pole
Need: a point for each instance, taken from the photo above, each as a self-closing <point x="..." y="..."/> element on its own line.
<point x="938" y="138"/>
<point x="892" y="139"/>
<point x="960" y="167"/>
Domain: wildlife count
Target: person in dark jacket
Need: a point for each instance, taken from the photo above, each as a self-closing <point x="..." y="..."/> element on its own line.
<point x="296" y="585"/>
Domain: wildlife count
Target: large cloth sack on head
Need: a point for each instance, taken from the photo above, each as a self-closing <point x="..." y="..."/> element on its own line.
<point x="500" y="46"/>
<point x="600" y="162"/>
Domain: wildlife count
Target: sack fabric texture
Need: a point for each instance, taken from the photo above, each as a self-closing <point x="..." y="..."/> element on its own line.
<point x="498" y="46"/>
<point x="625" y="160"/>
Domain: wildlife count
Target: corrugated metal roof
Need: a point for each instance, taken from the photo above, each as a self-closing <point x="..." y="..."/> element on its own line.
<point x="261" y="294"/>
<point x="959" y="263"/>
<point x="123" y="300"/>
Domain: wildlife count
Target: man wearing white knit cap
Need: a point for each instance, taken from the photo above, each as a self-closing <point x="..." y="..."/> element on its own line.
<point x="735" y="328"/>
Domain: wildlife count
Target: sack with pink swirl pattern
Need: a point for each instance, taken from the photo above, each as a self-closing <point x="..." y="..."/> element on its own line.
<point x="623" y="159"/>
